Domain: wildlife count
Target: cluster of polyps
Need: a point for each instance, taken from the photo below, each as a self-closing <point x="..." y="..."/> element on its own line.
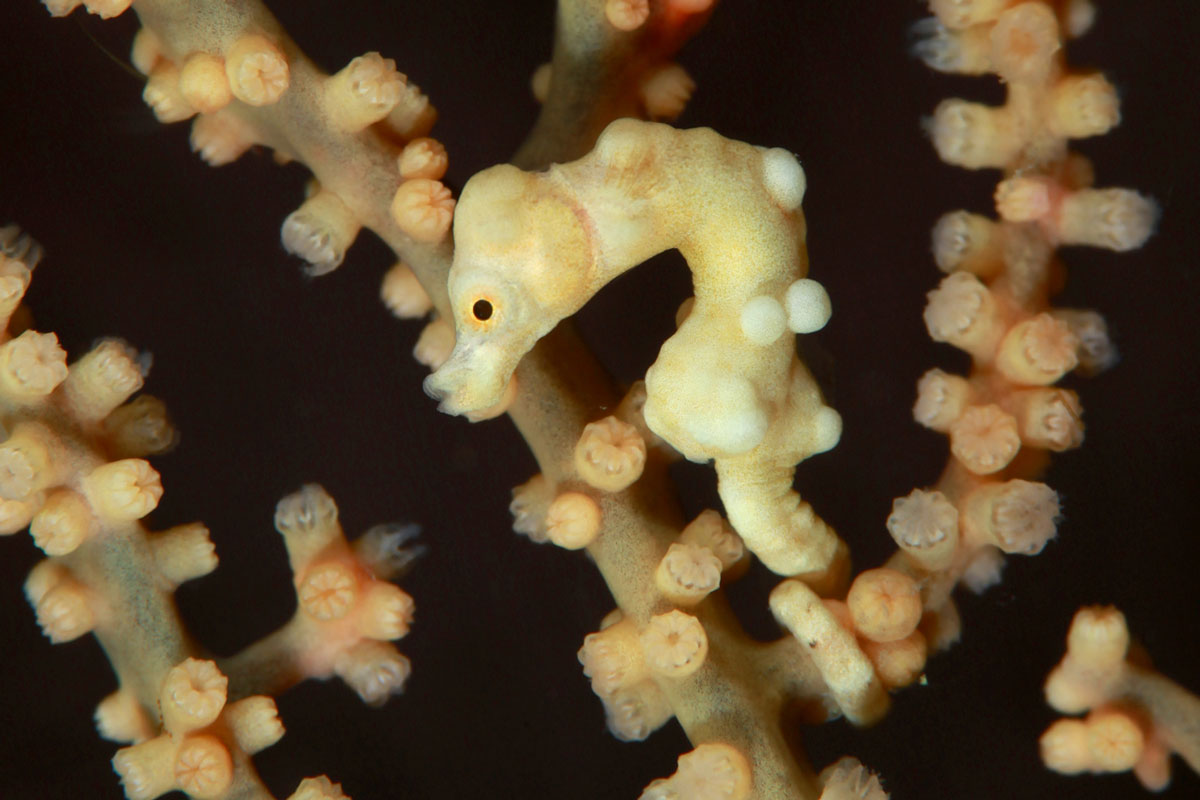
<point x="663" y="90"/>
<point x="204" y="740"/>
<point x="994" y="302"/>
<point x="202" y="736"/>
<point x="624" y="663"/>
<point x="348" y="613"/>
<point x="72" y="466"/>
<point x="1135" y="717"/>
<point x="994" y="306"/>
<point x="64" y="424"/>
<point x="609" y="457"/>
<point x="862" y="646"/>
<point x="627" y="662"/>
<point x="226" y="81"/>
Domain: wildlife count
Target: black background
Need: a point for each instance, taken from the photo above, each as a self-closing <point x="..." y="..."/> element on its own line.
<point x="276" y="380"/>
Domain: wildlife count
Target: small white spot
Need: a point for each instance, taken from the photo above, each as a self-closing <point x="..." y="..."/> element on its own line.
<point x="827" y="428"/>
<point x="808" y="306"/>
<point x="784" y="178"/>
<point x="763" y="320"/>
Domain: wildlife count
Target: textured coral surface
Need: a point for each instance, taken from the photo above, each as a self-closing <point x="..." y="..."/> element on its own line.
<point x="275" y="380"/>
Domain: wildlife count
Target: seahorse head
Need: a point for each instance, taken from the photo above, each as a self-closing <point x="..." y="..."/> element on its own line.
<point x="522" y="260"/>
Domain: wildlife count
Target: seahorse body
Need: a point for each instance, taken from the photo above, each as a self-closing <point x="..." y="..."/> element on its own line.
<point x="532" y="248"/>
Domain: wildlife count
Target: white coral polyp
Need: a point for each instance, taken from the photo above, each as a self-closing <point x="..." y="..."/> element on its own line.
<point x="423" y="158"/>
<point x="635" y="712"/>
<point x="1025" y="40"/>
<point x="1025" y="516"/>
<point x="388" y="613"/>
<point x="375" y="80"/>
<point x="389" y="549"/>
<point x="193" y="694"/>
<point x="716" y="771"/>
<point x="20" y="471"/>
<point x="661" y="789"/>
<point x="947" y="50"/>
<point x="709" y="529"/>
<point x="64" y="613"/>
<point x="713" y="771"/>
<point x="1115" y="740"/>
<point x="403" y="294"/>
<point x="954" y="306"/>
<point x="307" y="510"/>
<point x="666" y="92"/>
<point x="1058" y="425"/>
<point x="258" y="72"/>
<point x="922" y="519"/>
<point x="848" y="779"/>
<point x="105" y="378"/>
<point x="255" y="723"/>
<point x="610" y="455"/>
<point x="146" y="768"/>
<point x="34" y="364"/>
<point x="163" y="96"/>
<point x="1116" y="219"/>
<point x="119" y="718"/>
<point x="609" y="660"/>
<point x="221" y="138"/>
<point x="985" y="439"/>
<point x="530" y="502"/>
<point x="1064" y="747"/>
<point x="203" y="767"/>
<point x="62" y="524"/>
<point x="16" y="514"/>
<point x="1047" y="349"/>
<point x="308" y="236"/>
<point x="953" y="239"/>
<point x="626" y="15"/>
<point x="674" y="644"/>
<point x="1096" y="351"/>
<point x="984" y="570"/>
<point x="115" y="368"/>
<point x="573" y="520"/>
<point x="960" y="14"/>
<point x="941" y="398"/>
<point x="1023" y="199"/>
<point x="128" y="489"/>
<point x="413" y="116"/>
<point x="14" y="280"/>
<point x="435" y="343"/>
<point x="689" y="572"/>
<point x="328" y="591"/>
<point x="970" y="135"/>
<point x="107" y="9"/>
<point x="375" y="670"/>
<point x="1099" y="637"/>
<point x="423" y="209"/>
<point x="1086" y="105"/>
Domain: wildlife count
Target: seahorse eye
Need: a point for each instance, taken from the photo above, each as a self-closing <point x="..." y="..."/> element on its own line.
<point x="482" y="310"/>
